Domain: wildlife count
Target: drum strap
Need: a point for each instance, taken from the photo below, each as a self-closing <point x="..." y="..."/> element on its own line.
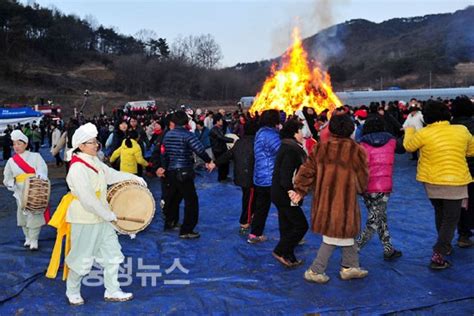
<point x="63" y="229"/>
<point x="29" y="170"/>
<point x="23" y="164"/>
<point x="75" y="159"/>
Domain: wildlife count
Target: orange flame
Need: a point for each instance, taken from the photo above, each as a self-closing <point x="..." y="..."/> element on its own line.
<point x="295" y="86"/>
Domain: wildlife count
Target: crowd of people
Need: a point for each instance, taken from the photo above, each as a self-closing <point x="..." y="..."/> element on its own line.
<point x="277" y="158"/>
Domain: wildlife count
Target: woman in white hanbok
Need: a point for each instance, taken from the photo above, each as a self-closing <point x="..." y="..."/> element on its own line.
<point x="22" y="165"/>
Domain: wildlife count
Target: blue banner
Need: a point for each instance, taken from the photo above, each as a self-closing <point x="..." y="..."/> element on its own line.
<point x="18" y="113"/>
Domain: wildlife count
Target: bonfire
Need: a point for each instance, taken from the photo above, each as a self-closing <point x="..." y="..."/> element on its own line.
<point x="296" y="84"/>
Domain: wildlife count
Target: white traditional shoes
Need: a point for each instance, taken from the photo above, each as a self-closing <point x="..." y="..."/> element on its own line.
<point x="118" y="296"/>
<point x="33" y="245"/>
<point x="75" y="299"/>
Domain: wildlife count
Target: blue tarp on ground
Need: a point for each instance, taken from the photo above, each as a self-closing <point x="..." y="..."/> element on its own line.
<point x="229" y="276"/>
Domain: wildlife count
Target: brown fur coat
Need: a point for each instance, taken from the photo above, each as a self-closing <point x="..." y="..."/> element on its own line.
<point x="337" y="171"/>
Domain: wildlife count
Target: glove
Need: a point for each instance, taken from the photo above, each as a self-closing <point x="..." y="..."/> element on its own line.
<point x="111" y="217"/>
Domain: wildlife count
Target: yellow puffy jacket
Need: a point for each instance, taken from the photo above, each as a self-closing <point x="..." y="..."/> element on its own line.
<point x="129" y="157"/>
<point x="443" y="150"/>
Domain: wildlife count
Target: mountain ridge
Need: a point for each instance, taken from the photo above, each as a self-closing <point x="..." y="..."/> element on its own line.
<point x="357" y="51"/>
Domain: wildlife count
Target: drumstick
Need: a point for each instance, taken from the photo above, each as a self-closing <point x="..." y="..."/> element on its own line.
<point x="131" y="219"/>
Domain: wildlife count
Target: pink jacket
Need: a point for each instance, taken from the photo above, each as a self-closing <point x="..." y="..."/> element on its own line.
<point x="380" y="158"/>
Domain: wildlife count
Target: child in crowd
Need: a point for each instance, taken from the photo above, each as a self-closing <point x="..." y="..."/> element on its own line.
<point x="380" y="149"/>
<point x="130" y="154"/>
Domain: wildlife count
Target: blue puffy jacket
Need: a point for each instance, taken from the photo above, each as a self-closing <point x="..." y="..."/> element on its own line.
<point x="179" y="145"/>
<point x="267" y="143"/>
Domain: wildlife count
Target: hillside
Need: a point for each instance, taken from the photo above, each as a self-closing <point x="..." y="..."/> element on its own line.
<point x="49" y="55"/>
<point x="400" y="52"/>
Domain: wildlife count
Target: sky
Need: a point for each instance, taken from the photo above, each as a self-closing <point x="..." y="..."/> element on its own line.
<point x="246" y="30"/>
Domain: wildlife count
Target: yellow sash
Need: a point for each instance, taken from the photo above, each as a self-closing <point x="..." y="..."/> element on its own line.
<point x="63" y="228"/>
<point x="22" y="177"/>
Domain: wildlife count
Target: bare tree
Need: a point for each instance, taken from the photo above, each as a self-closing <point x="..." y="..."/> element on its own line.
<point x="208" y="53"/>
<point x="151" y="41"/>
<point x="202" y="50"/>
<point x="184" y="49"/>
<point x="145" y="35"/>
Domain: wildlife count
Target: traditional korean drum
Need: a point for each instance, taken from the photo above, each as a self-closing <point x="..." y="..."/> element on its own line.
<point x="35" y="197"/>
<point x="133" y="204"/>
<point x="234" y="137"/>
